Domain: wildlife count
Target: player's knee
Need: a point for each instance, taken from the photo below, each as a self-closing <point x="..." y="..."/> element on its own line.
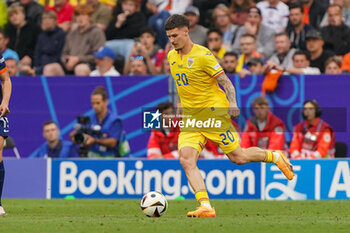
<point x="187" y="159"/>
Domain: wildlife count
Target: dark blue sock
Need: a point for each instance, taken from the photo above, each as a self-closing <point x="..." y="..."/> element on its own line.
<point x="2" y="176"/>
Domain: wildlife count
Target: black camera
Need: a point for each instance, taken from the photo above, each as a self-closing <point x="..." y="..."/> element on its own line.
<point x="84" y="128"/>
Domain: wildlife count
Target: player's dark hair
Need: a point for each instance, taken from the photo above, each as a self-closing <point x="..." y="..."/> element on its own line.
<point x="100" y="90"/>
<point x="260" y="101"/>
<point x="296" y="6"/>
<point x="249" y="35"/>
<point x="176" y="21"/>
<point x="233" y="54"/>
<point x="164" y="106"/>
<point x="302" y="52"/>
<point x="214" y="30"/>
<point x="49" y="122"/>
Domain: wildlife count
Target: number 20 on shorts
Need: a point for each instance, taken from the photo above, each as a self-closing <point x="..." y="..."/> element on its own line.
<point x="227" y="136"/>
<point x="181" y="79"/>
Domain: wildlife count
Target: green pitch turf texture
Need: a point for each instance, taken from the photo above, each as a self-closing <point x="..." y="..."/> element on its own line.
<point x="126" y="216"/>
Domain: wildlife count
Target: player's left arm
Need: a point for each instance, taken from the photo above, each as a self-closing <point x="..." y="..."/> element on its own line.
<point x="226" y="83"/>
<point x="6" y="93"/>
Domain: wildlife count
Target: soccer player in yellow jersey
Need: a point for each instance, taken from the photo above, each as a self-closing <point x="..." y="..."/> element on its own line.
<point x="197" y="74"/>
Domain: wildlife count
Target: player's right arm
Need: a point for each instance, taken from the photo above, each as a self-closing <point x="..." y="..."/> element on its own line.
<point x="6" y="88"/>
<point x="226" y="83"/>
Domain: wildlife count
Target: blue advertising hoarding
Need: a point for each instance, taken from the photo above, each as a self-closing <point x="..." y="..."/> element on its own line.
<point x="41" y="178"/>
<point x="133" y="178"/>
<point x="313" y="180"/>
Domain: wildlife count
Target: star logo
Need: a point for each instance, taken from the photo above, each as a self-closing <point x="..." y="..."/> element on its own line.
<point x="155" y="115"/>
<point x="151" y="120"/>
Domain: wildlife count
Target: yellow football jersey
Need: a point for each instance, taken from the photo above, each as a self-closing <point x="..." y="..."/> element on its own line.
<point x="194" y="75"/>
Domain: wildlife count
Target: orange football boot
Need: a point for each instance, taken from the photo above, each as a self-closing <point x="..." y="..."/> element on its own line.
<point x="202" y="212"/>
<point x="284" y="165"/>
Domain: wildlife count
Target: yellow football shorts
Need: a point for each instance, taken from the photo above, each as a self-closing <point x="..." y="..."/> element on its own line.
<point x="227" y="140"/>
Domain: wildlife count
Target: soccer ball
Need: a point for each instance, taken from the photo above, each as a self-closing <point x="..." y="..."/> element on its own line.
<point x="154" y="204"/>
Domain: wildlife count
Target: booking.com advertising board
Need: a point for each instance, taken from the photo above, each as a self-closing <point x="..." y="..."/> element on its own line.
<point x="314" y="180"/>
<point x="133" y="178"/>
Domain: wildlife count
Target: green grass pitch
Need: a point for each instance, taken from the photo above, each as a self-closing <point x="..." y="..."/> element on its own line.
<point x="126" y="216"/>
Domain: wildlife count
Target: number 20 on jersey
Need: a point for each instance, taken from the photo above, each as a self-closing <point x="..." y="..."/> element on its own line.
<point x="181" y="79"/>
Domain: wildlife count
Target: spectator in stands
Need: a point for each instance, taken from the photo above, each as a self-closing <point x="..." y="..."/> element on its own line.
<point x="22" y="35"/>
<point x="111" y="141"/>
<point x="6" y="52"/>
<point x="313" y="138"/>
<point x="33" y="11"/>
<point x="239" y="11"/>
<point x="263" y="34"/>
<point x="215" y="43"/>
<point x="248" y="47"/>
<point x="102" y="14"/>
<point x="345" y="10"/>
<point x="104" y="59"/>
<point x="65" y="12"/>
<point x="333" y="65"/>
<point x="198" y="33"/>
<point x="161" y="10"/>
<point x="230" y="62"/>
<point x="313" y="12"/>
<point x="296" y="28"/>
<point x="124" y="28"/>
<point x="284" y="52"/>
<point x="336" y="35"/>
<point x="256" y="66"/>
<point x="162" y="143"/>
<point x="15" y="69"/>
<point x="314" y="45"/>
<point x="264" y="129"/>
<point x="12" y="66"/>
<point x="3" y="15"/>
<point x="151" y="52"/>
<point x="222" y="20"/>
<point x="274" y="14"/>
<point x="166" y="67"/>
<point x="50" y="42"/>
<point x="301" y="64"/>
<point x="138" y="66"/>
<point x="77" y="56"/>
<point x="54" y="147"/>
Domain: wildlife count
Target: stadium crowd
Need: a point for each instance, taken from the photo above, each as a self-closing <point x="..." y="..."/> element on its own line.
<point x="114" y="37"/>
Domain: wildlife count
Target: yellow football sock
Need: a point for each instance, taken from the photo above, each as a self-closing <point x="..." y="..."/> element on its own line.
<point x="271" y="157"/>
<point x="203" y="198"/>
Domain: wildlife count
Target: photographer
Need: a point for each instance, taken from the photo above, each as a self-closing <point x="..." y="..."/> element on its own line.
<point x="104" y="135"/>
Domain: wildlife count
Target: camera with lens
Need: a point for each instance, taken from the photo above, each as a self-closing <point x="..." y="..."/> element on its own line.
<point x="84" y="128"/>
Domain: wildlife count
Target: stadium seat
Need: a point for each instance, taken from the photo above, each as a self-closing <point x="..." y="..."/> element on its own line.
<point x="9" y="143"/>
<point x="341" y="150"/>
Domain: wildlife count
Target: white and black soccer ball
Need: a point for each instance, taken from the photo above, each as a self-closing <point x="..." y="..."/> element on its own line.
<point x="154" y="204"/>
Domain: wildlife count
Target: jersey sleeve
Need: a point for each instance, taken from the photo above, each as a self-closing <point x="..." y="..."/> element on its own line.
<point x="211" y="65"/>
<point x="3" y="67"/>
